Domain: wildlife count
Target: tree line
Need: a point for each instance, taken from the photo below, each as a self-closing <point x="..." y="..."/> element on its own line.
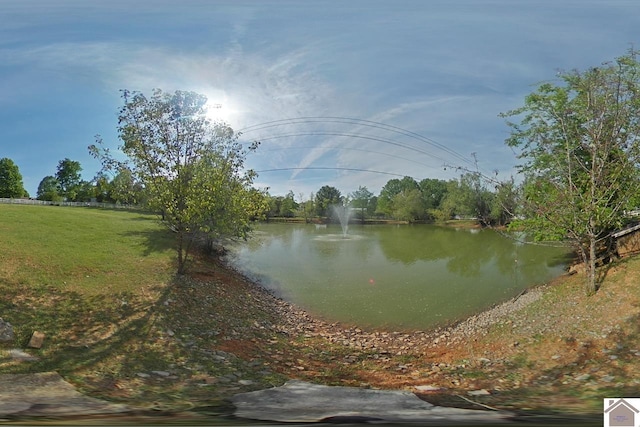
<point x="67" y="185"/>
<point x="409" y="200"/>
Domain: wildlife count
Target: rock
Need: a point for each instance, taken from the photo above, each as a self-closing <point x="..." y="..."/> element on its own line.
<point x="37" y="339"/>
<point x="245" y="382"/>
<point x="21" y="356"/>
<point x="298" y="401"/>
<point x="46" y="394"/>
<point x="481" y="392"/>
<point x="583" y="377"/>
<point x="143" y="375"/>
<point x="556" y="357"/>
<point x="425" y="388"/>
<point x="161" y="373"/>
<point x="6" y="331"/>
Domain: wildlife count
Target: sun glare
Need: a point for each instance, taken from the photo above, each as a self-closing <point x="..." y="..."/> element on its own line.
<point x="221" y="109"/>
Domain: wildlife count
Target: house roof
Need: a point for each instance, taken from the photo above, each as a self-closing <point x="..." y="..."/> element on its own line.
<point x="625" y="231"/>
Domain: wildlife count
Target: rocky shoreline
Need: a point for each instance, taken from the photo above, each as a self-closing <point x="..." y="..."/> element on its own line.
<point x="299" y="322"/>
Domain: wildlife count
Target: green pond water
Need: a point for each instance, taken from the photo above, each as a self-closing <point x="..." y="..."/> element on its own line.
<point x="393" y="276"/>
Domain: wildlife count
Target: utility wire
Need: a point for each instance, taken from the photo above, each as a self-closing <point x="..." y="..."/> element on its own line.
<point x="361" y="122"/>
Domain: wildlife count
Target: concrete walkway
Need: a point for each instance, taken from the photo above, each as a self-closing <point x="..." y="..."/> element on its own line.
<point x="46" y="394"/>
<point x="302" y="402"/>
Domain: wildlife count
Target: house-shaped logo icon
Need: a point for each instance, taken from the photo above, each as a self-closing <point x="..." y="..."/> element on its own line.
<point x="621" y="413"/>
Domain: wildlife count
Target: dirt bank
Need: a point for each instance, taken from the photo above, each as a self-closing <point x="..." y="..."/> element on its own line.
<point x="551" y="349"/>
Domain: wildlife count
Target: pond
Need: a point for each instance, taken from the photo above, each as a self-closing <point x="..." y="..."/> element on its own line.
<point x="393" y="276"/>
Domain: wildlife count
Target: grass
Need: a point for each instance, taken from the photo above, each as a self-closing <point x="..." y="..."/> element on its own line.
<point x="100" y="285"/>
<point x="90" y="280"/>
<point x="86" y="250"/>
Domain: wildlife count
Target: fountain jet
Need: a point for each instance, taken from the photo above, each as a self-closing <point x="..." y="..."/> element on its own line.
<point x="343" y="212"/>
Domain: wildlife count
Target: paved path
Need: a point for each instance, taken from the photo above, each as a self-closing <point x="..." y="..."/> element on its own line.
<point x="46" y="394"/>
<point x="302" y="402"/>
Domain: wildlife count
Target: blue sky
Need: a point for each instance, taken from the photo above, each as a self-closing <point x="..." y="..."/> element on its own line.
<point x="424" y="80"/>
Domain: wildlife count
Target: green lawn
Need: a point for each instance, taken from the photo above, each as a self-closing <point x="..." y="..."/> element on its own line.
<point x="86" y="250"/>
<point x="91" y="280"/>
<point x="100" y="285"/>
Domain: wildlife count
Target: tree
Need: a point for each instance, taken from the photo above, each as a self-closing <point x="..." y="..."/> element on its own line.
<point x="326" y="197"/>
<point x="504" y="203"/>
<point x="392" y="188"/>
<point x="361" y="199"/>
<point x="191" y="169"/>
<point x="306" y="207"/>
<point x="289" y="205"/>
<point x="123" y="188"/>
<point x="68" y="176"/>
<point x="48" y="189"/>
<point x="102" y="187"/>
<point x="85" y="191"/>
<point x="433" y="191"/>
<point x="11" y="185"/>
<point x="580" y="146"/>
<point x="408" y="205"/>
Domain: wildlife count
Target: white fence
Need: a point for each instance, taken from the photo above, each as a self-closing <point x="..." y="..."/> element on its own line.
<point x="85" y="204"/>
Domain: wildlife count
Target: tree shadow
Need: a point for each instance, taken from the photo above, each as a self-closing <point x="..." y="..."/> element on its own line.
<point x="605" y="370"/>
<point x="154" y="241"/>
<point x="86" y="333"/>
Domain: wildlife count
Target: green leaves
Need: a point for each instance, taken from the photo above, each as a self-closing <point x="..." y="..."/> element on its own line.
<point x="11" y="185"/>
<point x="579" y="143"/>
<point x="192" y="170"/>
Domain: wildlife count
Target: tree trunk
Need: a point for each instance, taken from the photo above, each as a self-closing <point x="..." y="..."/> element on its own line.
<point x="181" y="253"/>
<point x="591" y="267"/>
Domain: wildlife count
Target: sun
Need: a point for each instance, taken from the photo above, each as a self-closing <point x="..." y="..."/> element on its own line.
<point x="221" y="108"/>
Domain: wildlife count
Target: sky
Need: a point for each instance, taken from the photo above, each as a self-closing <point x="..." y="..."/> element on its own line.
<point x="346" y="93"/>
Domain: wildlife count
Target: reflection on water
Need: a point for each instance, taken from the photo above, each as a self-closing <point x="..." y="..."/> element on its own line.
<point x="414" y="276"/>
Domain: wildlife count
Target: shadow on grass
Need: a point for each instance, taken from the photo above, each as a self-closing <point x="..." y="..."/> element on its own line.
<point x="154" y="241"/>
<point x="105" y="335"/>
<point x="593" y="373"/>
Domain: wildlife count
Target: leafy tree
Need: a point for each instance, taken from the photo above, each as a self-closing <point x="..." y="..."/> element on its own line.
<point x="408" y="205"/>
<point x="191" y="169"/>
<point x="102" y="187"/>
<point x="306" y="207"/>
<point x="85" y="191"/>
<point x="68" y="176"/>
<point x="580" y="145"/>
<point x="48" y="189"/>
<point x="433" y="191"/>
<point x="476" y="199"/>
<point x="504" y="203"/>
<point x="326" y="197"/>
<point x="11" y="185"/>
<point x="392" y="188"/>
<point x="275" y="204"/>
<point x="362" y="200"/>
<point x="289" y="205"/>
<point x="124" y="189"/>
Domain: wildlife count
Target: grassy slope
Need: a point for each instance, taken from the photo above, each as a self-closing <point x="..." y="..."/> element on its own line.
<point x="216" y="334"/>
<point x="99" y="284"/>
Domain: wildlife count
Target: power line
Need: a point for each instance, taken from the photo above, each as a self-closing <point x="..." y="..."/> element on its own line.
<point x="361" y="122"/>
<point x="299" y="147"/>
<point x="329" y="168"/>
<point x="386" y="141"/>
